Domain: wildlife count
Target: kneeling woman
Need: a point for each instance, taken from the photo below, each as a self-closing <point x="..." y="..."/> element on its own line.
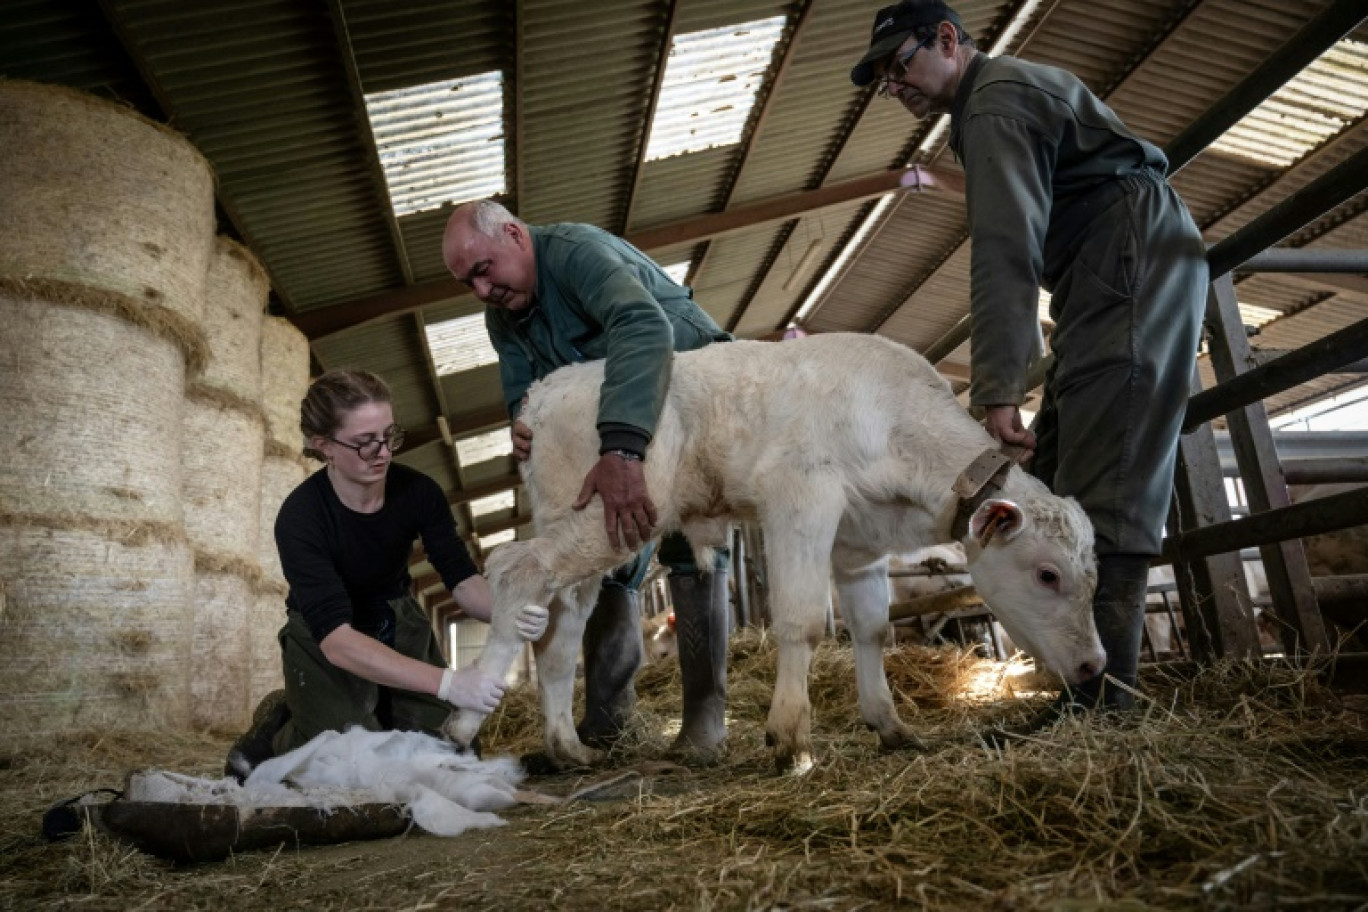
<point x="357" y="648"/>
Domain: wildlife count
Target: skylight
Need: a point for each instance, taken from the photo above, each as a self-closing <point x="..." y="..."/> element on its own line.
<point x="497" y="538"/>
<point x="492" y="504"/>
<point x="1346" y="411"/>
<point x="678" y="271"/>
<point x="1253" y="315"/>
<point x="484" y="447"/>
<point x="1311" y="107"/>
<point x="710" y="82"/>
<point x="459" y="345"/>
<point x="441" y="142"/>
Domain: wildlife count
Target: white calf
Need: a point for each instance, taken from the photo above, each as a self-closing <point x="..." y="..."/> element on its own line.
<point x="845" y="449"/>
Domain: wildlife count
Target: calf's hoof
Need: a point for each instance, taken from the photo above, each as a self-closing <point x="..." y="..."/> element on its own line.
<point x="798" y="763"/>
<point x="899" y="737"/>
<point x="563" y="755"/>
<point x="463" y="732"/>
<point x="790" y="756"/>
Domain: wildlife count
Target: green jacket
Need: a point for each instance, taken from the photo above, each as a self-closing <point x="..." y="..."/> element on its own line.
<point x="598" y="297"/>
<point x="1042" y="156"/>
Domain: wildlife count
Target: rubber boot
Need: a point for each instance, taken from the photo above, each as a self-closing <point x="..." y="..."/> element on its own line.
<point x="702" y="625"/>
<point x="613" y="653"/>
<point x="254" y="747"/>
<point x="1119" y="613"/>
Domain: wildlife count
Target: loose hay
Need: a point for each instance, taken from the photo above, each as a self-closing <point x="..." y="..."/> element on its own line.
<point x="95" y="630"/>
<point x="222" y="456"/>
<point x="95" y="195"/>
<point x="284" y="380"/>
<point x="235" y="303"/>
<point x="223" y="605"/>
<point x="1240" y="788"/>
<point x="94" y="407"/>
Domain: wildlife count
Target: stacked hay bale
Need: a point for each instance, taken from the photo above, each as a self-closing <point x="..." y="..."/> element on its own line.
<point x="108" y="223"/>
<point x="284" y="382"/>
<point x="224" y="433"/>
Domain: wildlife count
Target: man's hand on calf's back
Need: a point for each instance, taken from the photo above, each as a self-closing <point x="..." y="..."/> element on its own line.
<point x="620" y="480"/>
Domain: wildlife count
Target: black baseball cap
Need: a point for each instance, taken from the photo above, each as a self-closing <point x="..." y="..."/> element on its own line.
<point x="895" y="24"/>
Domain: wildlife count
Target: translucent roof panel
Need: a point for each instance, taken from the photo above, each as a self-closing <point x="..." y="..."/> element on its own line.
<point x="497" y="538"/>
<point x="678" y="271"/>
<point x="442" y="142"/>
<point x="460" y="344"/>
<point x="710" y="82"/>
<point x="1345" y="411"/>
<point x="484" y="447"/>
<point x="1253" y="315"/>
<point x="1311" y="107"/>
<point x="492" y="504"/>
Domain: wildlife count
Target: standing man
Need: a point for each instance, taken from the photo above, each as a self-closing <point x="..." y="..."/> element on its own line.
<point x="1061" y="195"/>
<point x="560" y="294"/>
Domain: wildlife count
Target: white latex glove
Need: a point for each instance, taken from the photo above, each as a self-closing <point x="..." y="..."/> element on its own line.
<point x="470" y="688"/>
<point x="532" y="621"/>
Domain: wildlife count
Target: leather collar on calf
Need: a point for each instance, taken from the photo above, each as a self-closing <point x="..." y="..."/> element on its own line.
<point x="983" y="478"/>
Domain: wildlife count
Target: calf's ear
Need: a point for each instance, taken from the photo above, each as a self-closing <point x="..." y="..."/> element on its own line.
<point x="996" y="518"/>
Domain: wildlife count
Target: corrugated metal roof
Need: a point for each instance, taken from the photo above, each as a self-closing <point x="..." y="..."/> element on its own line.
<point x="1314" y="105"/>
<point x="440" y="142"/>
<point x="483" y="447"/>
<point x="493" y="504"/>
<point x="460" y="344"/>
<point x="272" y="92"/>
<point x="710" y="84"/>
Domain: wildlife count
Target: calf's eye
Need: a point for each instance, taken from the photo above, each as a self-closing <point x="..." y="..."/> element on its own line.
<point x="1047" y="576"/>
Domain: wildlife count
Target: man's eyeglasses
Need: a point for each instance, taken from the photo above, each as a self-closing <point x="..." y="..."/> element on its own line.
<point x="393" y="440"/>
<point x="897" y="69"/>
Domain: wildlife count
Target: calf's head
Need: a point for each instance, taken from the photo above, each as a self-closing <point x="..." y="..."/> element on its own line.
<point x="1032" y="561"/>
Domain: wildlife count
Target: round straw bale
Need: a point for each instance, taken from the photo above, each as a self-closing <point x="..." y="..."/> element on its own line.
<point x="268" y="616"/>
<point x="222" y="455"/>
<point x="95" y="631"/>
<point x="279" y="476"/>
<point x="224" y="601"/>
<point x="284" y="380"/>
<point x="95" y="195"/>
<point x="234" y="306"/>
<point x="93" y="406"/>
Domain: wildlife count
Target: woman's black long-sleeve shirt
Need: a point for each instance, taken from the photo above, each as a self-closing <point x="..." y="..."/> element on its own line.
<point x="344" y="567"/>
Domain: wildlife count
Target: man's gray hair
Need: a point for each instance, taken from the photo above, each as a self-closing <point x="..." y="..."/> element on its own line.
<point x="489" y="217"/>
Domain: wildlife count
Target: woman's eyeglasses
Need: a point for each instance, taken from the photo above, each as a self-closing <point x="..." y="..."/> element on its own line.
<point x="393" y="440"/>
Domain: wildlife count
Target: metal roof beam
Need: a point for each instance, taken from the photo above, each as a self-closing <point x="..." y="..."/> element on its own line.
<point x="457" y="425"/>
<point x="325" y="321"/>
<point x="485" y="488"/>
<point x="362" y="121"/>
<point x="643" y="141"/>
